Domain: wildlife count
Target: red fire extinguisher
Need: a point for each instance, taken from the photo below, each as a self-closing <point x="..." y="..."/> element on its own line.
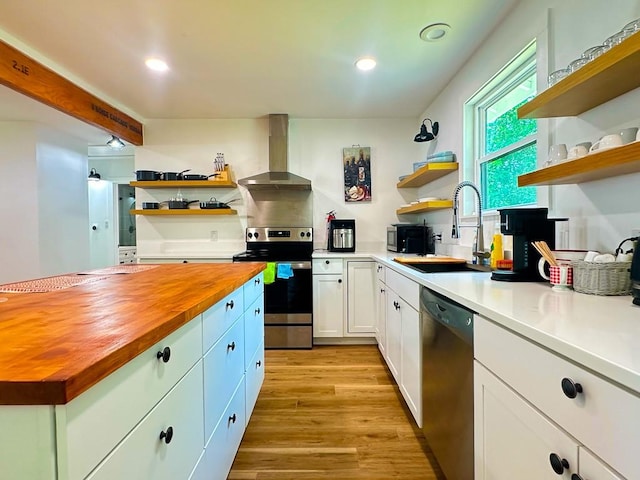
<point x="330" y="216"/>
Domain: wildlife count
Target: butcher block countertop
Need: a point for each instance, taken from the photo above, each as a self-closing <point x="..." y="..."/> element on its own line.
<point x="55" y="345"/>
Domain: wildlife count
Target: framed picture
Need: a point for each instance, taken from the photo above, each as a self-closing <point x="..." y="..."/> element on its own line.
<point x="356" y="161"/>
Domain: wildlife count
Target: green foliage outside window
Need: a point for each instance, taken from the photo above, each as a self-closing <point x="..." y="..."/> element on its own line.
<point x="507" y="129"/>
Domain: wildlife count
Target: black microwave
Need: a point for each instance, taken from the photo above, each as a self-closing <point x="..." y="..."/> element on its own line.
<point x="410" y="238"/>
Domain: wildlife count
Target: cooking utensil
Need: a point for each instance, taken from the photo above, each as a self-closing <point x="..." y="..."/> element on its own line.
<point x="147" y="175"/>
<point x="212" y="203"/>
<point x="180" y="204"/>
<point x="174" y="175"/>
<point x="150" y="205"/>
<point x="194" y="176"/>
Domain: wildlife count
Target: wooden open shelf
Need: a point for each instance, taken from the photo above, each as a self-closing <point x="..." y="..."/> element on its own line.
<point x="425" y="207"/>
<point x="595" y="166"/>
<point x="186" y="211"/>
<point x="428" y="173"/>
<point x="185" y="183"/>
<point x="610" y="75"/>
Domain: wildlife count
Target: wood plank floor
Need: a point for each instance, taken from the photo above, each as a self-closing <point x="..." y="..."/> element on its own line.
<point x="331" y="412"/>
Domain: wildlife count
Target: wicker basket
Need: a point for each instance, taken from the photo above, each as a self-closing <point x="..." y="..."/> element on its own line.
<point x="612" y="278"/>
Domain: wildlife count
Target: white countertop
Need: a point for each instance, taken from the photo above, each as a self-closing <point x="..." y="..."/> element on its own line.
<point x="602" y="333"/>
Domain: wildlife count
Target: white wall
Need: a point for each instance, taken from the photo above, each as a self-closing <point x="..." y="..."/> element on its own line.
<point x="315" y="152"/>
<point x="601" y="213"/>
<point x="44" y="218"/>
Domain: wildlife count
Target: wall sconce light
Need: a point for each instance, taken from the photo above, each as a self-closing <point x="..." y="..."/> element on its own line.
<point x="115" y="142"/>
<point x="424" y="135"/>
<point x="93" y="175"/>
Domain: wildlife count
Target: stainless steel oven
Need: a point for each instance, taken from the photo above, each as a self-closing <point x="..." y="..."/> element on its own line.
<point x="288" y="301"/>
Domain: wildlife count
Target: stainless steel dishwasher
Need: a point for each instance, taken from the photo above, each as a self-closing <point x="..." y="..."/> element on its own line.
<point x="447" y="383"/>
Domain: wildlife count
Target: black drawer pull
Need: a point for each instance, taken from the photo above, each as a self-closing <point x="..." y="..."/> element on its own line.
<point x="575" y="476"/>
<point x="230" y="304"/>
<point x="257" y="281"/>
<point x="339" y="280"/>
<point x="257" y="312"/>
<point x="231" y="346"/>
<point x="379" y="267"/>
<point x="327" y="262"/>
<point x="259" y="363"/>
<point x="570" y="388"/>
<point x="232" y="418"/>
<point x="164" y="354"/>
<point x="167" y="436"/>
<point x="382" y="290"/>
<point x="558" y="464"/>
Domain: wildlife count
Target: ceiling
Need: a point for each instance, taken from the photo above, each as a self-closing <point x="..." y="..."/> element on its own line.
<point x="249" y="58"/>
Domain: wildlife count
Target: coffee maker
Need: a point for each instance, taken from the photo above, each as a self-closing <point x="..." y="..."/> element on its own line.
<point x="525" y="225"/>
<point x="342" y="235"/>
<point x="635" y="272"/>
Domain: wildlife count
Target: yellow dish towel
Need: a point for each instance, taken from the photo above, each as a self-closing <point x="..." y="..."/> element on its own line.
<point x="270" y="273"/>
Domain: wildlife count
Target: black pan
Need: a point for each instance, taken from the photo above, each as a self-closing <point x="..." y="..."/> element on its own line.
<point x="150" y="205"/>
<point x="147" y="175"/>
<point x="180" y="204"/>
<point x="211" y="204"/>
<point x="193" y="176"/>
<point x="174" y="175"/>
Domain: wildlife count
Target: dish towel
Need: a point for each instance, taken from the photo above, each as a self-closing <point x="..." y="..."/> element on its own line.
<point x="284" y="271"/>
<point x="270" y="273"/>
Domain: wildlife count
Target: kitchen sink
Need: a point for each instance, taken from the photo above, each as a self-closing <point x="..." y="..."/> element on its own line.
<point x="446" y="267"/>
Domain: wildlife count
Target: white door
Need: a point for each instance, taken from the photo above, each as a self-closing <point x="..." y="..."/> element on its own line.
<point x="361" y="308"/>
<point x="328" y="305"/>
<point x="381" y="317"/>
<point x="103" y="231"/>
<point x="411" y="360"/>
<point x="394" y="333"/>
<point x="512" y="438"/>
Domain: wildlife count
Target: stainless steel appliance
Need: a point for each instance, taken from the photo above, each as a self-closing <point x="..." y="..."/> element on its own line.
<point x="525" y="226"/>
<point x="410" y="238"/>
<point x="288" y="304"/>
<point x="447" y="383"/>
<point x="342" y="235"/>
<point x="635" y="272"/>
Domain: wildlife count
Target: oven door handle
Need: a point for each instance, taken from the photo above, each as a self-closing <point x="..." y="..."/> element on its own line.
<point x="298" y="265"/>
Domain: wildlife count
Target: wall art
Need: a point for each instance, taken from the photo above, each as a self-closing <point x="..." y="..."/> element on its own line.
<point x="356" y="161"/>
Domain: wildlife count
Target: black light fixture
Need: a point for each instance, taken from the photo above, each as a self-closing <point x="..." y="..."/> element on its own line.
<point x="424" y="135"/>
<point x="115" y="142"/>
<point x="93" y="175"/>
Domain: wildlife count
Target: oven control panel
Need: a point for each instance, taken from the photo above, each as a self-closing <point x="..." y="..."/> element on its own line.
<point x="268" y="234"/>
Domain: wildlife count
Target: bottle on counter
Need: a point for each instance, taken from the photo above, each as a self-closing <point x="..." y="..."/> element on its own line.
<point x="496" y="248"/>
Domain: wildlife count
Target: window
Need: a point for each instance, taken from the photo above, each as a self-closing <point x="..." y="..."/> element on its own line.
<point x="503" y="146"/>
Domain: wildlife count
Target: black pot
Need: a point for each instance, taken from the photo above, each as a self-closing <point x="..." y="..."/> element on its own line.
<point x="211" y="204"/>
<point x="147" y="175"/>
<point x="180" y="204"/>
<point x="173" y="175"/>
<point x="150" y="205"/>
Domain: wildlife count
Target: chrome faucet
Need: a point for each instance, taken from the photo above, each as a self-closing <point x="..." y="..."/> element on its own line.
<point x="478" y="246"/>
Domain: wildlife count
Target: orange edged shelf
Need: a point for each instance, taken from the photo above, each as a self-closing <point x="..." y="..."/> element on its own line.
<point x="428" y="173"/>
<point x="186" y="211"/>
<point x="595" y="166"/>
<point x="612" y="74"/>
<point x="425" y="207"/>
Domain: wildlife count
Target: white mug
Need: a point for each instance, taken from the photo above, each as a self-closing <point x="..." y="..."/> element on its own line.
<point x="608" y="141"/>
<point x="557" y="153"/>
<point x="577" y="152"/>
<point x="628" y="134"/>
<point x="638" y="136"/>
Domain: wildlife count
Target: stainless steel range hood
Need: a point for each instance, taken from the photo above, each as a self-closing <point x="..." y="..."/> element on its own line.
<point x="278" y="176"/>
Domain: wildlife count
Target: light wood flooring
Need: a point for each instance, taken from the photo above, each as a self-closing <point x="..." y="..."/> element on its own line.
<point x="331" y="412"/>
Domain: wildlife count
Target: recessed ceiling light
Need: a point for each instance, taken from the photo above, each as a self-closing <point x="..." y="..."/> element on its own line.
<point x="156" y="64"/>
<point x="365" y="63"/>
<point x="434" y="32"/>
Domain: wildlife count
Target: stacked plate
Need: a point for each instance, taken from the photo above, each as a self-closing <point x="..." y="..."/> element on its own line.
<point x="446" y="156"/>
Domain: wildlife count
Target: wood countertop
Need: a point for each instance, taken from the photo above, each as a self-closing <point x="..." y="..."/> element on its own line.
<point x="54" y="346"/>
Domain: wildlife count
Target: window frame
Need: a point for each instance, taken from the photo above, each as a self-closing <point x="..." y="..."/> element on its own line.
<point x="512" y="74"/>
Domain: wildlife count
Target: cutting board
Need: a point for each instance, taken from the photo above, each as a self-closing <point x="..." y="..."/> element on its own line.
<point x="429" y="260"/>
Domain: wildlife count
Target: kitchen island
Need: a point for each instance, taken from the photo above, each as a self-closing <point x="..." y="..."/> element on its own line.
<point x="88" y="373"/>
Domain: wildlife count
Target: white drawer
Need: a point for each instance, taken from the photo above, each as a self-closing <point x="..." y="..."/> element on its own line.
<point x="219" y="453"/>
<point x="326" y="265"/>
<point x="143" y="454"/>
<point x="254" y="379"/>
<point x="223" y="370"/>
<point x="253" y="328"/>
<point x="90" y="425"/>
<point x="253" y="289"/>
<point x="380" y="272"/>
<point x="217" y="319"/>
<point x="604" y="417"/>
<point x="406" y="288"/>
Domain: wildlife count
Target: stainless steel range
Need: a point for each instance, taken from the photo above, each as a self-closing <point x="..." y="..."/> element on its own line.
<point x="288" y="300"/>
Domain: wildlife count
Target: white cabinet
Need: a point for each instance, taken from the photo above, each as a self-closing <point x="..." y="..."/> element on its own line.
<point x="603" y="419"/>
<point x="361" y="304"/>
<point x="328" y="305"/>
<point x="381" y="317"/>
<point x="402" y="346"/>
